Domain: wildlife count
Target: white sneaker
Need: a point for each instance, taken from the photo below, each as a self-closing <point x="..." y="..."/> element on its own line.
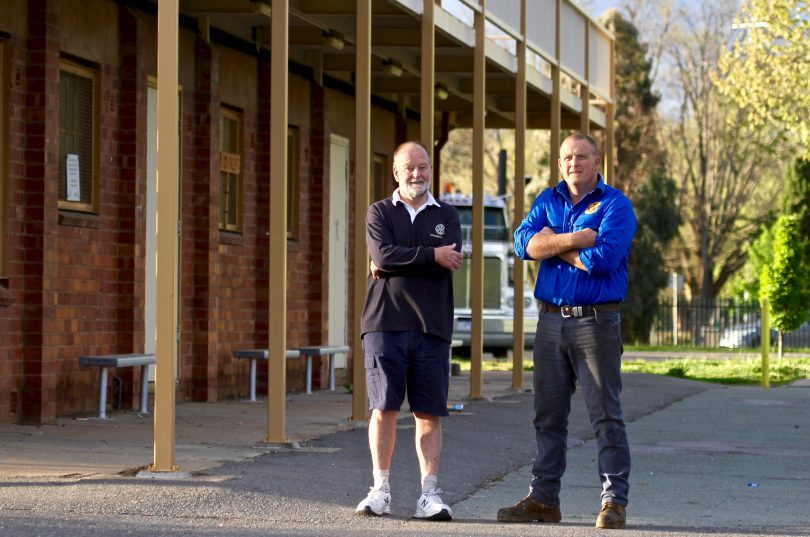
<point x="377" y="503"/>
<point x="431" y="507"/>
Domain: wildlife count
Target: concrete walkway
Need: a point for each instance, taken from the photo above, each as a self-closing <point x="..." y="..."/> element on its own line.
<point x="707" y="459"/>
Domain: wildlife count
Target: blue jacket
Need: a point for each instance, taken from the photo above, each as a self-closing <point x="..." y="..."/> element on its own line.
<point x="604" y="209"/>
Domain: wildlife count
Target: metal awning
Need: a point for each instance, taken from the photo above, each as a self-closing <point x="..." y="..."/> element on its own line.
<point x="323" y="39"/>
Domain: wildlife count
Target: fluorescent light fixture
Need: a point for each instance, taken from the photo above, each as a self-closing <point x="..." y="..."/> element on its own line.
<point x="392" y="67"/>
<point x="333" y="39"/>
<point x="441" y="91"/>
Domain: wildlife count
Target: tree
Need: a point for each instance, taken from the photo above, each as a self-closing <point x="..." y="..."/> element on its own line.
<point x="744" y="284"/>
<point x="641" y="175"/>
<point x="796" y="198"/>
<point x="767" y="72"/>
<point x="785" y="281"/>
<point x="724" y="167"/>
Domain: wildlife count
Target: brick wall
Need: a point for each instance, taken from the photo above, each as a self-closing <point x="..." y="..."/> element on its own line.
<point x="11" y="364"/>
<point x="37" y="394"/>
<point x="77" y="281"/>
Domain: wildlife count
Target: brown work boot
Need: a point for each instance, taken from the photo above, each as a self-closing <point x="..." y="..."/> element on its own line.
<point x="529" y="510"/>
<point x="612" y="517"/>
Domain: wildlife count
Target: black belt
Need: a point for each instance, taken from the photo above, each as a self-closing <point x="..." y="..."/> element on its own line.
<point x="579" y="311"/>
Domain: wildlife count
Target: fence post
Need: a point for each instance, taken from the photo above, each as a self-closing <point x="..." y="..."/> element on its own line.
<point x="766" y="343"/>
<point x="675" y="308"/>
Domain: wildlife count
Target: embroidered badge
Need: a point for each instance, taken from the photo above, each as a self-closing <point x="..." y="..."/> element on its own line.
<point x="440" y="230"/>
<point x="593" y="207"/>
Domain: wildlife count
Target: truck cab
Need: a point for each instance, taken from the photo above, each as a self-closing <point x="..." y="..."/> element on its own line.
<point x="499" y="300"/>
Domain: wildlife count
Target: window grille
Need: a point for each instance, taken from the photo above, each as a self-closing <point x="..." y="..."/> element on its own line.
<point x="78" y="135"/>
<point x="230" y="171"/>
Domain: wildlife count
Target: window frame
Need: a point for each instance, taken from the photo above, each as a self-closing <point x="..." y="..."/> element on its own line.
<point x="382" y="185"/>
<point x="293" y="178"/>
<point x="234" y="114"/>
<point x="77" y="69"/>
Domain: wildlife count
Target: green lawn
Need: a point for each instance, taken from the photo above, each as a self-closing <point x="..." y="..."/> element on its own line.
<point x="741" y="371"/>
<point x="725" y="370"/>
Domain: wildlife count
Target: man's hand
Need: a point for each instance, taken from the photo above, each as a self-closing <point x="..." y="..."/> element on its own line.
<point x="584" y="238"/>
<point x="448" y="257"/>
<point x="375" y="271"/>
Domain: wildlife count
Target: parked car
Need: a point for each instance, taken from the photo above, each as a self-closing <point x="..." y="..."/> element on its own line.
<point x="750" y="335"/>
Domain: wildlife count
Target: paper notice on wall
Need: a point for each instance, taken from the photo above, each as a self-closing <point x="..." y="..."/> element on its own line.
<point x="74" y="184"/>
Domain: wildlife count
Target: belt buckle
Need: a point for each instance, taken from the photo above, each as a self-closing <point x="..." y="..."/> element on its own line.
<point x="571" y="311"/>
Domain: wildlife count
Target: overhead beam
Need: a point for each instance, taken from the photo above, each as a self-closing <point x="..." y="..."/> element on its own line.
<point x="332" y="7"/>
<point x="225" y="6"/>
<point x="396" y="37"/>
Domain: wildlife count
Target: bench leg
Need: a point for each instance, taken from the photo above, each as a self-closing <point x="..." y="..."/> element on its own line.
<point x="253" y="380"/>
<point x="144" y="389"/>
<point x="309" y="374"/>
<point x="102" y="395"/>
<point x="332" y="372"/>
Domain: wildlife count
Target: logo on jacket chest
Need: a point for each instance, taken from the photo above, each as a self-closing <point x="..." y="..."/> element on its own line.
<point x="438" y="231"/>
<point x="593" y="207"/>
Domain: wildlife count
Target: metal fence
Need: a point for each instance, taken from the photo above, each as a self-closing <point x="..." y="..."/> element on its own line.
<point x="717" y="324"/>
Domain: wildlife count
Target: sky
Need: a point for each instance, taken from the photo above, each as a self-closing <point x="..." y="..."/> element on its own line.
<point x="594" y="8"/>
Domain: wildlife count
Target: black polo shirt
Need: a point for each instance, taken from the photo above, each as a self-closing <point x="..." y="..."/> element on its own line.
<point x="414" y="292"/>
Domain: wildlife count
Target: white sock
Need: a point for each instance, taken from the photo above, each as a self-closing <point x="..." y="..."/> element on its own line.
<point x="381" y="479"/>
<point x="429" y="483"/>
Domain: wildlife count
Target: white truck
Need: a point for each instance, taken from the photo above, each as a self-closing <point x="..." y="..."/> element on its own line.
<point x="499" y="301"/>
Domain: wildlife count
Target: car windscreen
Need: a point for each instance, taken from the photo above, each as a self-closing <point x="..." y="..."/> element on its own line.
<point x="494" y="223"/>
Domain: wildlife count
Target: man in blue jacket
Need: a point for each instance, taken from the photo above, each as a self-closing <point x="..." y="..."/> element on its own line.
<point x="581" y="231"/>
<point x="407" y="325"/>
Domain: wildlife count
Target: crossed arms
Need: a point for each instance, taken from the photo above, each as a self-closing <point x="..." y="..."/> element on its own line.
<point x="546" y="244"/>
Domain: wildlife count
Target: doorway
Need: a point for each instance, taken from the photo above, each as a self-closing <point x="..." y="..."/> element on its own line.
<point x="338" y="242"/>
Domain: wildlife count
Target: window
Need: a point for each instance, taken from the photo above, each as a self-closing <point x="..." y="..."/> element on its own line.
<point x="78" y="138"/>
<point x="4" y="85"/>
<point x="230" y="171"/>
<point x="381" y="181"/>
<point x="292" y="182"/>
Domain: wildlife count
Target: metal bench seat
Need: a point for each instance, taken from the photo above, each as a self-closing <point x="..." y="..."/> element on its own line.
<point x="106" y="361"/>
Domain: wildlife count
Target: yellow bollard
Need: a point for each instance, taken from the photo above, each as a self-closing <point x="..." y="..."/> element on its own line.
<point x="766" y="343"/>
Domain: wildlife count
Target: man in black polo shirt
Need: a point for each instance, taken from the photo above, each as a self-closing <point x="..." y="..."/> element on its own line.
<point x="407" y="325"/>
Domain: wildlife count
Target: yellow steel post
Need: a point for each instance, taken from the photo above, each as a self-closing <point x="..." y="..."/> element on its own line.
<point x="766" y="343"/>
<point x="428" y="77"/>
<point x="277" y="314"/>
<point x="479" y="124"/>
<point x="519" y="209"/>
<point x="556" y="111"/>
<point x="362" y="158"/>
<point x="584" y="87"/>
<point x="610" y="128"/>
<point x="166" y="237"/>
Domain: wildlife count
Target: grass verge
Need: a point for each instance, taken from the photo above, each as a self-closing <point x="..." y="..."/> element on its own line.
<point x="732" y="371"/>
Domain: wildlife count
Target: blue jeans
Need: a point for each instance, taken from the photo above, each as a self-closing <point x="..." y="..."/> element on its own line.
<point x="586" y="350"/>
